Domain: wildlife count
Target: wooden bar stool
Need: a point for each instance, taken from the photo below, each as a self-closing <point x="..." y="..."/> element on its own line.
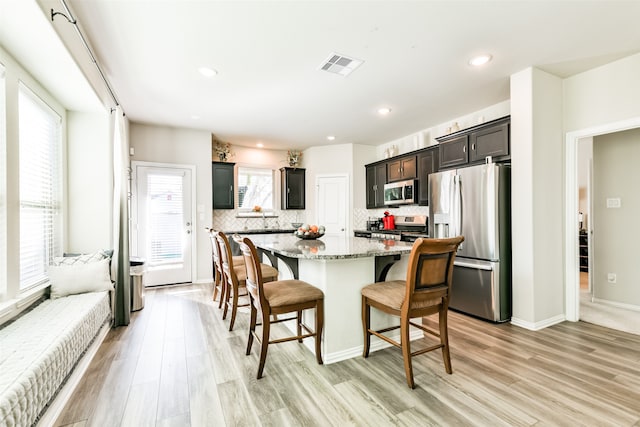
<point x="235" y="276"/>
<point x="279" y="297"/>
<point x="425" y="291"/>
<point x="218" y="274"/>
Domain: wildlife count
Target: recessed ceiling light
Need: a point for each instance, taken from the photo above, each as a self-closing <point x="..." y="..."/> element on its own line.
<point x="195" y="117"/>
<point x="259" y="145"/>
<point x="331" y="138"/>
<point x="384" y="111"/>
<point x="207" y="72"/>
<point x="479" y="60"/>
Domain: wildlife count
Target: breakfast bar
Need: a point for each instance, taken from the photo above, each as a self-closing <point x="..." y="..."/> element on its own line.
<point x="340" y="267"/>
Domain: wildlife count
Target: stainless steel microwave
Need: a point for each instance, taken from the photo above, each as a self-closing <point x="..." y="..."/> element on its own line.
<point x="400" y="193"/>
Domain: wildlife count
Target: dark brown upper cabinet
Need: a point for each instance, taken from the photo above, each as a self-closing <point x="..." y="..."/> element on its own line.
<point x="454" y="152"/>
<point x="473" y="145"/>
<point x="376" y="178"/>
<point x="292" y="181"/>
<point x="427" y="164"/>
<point x="492" y="141"/>
<point x="402" y="168"/>
<point x="222" y="184"/>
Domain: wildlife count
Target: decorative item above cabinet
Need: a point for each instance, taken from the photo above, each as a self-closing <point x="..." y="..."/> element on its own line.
<point x="473" y="145"/>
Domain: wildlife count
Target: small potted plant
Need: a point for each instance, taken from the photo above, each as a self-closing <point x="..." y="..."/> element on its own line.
<point x="223" y="150"/>
<point x="294" y="157"/>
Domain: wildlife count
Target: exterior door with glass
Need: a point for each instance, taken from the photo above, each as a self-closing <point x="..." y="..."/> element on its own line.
<point x="161" y="231"/>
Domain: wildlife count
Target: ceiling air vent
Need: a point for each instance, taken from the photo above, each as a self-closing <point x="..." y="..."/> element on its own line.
<point x="339" y="64"/>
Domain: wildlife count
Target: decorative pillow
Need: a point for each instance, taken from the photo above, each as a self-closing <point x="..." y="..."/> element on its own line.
<point x="79" y="278"/>
<point x="81" y="258"/>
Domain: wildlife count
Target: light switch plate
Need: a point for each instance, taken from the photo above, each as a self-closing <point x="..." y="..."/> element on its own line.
<point x="613" y="202"/>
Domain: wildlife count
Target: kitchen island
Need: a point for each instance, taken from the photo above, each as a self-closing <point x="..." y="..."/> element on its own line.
<point x="340" y="267"/>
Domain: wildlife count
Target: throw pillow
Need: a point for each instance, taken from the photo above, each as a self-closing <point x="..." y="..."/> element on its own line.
<point x="81" y="258"/>
<point x="79" y="278"/>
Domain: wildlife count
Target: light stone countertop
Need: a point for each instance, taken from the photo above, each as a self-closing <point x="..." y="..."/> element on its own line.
<point x="328" y="247"/>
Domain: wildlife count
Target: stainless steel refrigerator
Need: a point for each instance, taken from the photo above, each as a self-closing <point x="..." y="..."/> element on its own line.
<point x="475" y="202"/>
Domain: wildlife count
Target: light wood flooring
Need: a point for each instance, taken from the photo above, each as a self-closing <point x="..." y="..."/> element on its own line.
<point x="177" y="365"/>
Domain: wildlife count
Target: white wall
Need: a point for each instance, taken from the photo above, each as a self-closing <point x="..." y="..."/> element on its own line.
<point x="186" y="147"/>
<point x="323" y="160"/>
<point x="427" y="136"/>
<point x="605" y="99"/>
<point x="89" y="182"/>
<point x="537" y="198"/>
<point x="615" y="230"/>
<point x="606" y="94"/>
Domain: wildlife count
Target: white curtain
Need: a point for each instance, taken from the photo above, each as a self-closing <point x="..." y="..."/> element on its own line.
<point x="120" y="262"/>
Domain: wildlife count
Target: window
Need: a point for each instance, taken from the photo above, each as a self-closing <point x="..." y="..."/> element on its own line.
<point x="3" y="192"/>
<point x="39" y="139"/>
<point x="255" y="188"/>
<point x="165" y="218"/>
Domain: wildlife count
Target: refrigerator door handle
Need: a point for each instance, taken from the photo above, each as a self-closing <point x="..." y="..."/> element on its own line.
<point x="456" y="211"/>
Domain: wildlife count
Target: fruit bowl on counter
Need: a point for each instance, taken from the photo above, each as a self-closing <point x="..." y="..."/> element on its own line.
<point x="309" y="232"/>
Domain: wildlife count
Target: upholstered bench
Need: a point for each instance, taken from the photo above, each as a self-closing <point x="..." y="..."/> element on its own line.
<point x="40" y="348"/>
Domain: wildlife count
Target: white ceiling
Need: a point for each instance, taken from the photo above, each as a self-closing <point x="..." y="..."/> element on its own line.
<point x="28" y="37"/>
<point x="269" y="87"/>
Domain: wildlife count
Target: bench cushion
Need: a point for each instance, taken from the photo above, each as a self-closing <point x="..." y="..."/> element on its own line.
<point x="40" y="349"/>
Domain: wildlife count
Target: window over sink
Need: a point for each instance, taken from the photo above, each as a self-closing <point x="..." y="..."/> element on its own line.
<point x="255" y="189"/>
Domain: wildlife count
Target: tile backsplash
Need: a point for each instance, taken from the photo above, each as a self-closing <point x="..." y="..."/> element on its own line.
<point x="228" y="220"/>
<point x="360" y="216"/>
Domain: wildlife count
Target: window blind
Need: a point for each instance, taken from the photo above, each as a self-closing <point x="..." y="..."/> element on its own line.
<point x="39" y="133"/>
<point x="166" y="218"/>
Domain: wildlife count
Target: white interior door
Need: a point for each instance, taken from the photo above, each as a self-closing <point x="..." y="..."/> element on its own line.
<point x="332" y="203"/>
<point x="162" y="226"/>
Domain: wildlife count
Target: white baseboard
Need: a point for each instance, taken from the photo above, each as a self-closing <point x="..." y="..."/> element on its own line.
<point x="54" y="410"/>
<point x="536" y="326"/>
<point x="616" y="304"/>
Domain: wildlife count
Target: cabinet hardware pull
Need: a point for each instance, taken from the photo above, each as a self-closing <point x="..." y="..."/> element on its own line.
<point x="464" y="148"/>
<point x="473" y="146"/>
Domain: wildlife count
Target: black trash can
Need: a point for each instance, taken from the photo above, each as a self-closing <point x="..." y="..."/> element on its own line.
<point x="136" y="273"/>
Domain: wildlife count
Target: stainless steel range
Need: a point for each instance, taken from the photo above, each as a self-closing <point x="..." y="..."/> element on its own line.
<point x="408" y="229"/>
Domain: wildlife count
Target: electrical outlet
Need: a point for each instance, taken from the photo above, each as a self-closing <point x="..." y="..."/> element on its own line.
<point x="611" y="277"/>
